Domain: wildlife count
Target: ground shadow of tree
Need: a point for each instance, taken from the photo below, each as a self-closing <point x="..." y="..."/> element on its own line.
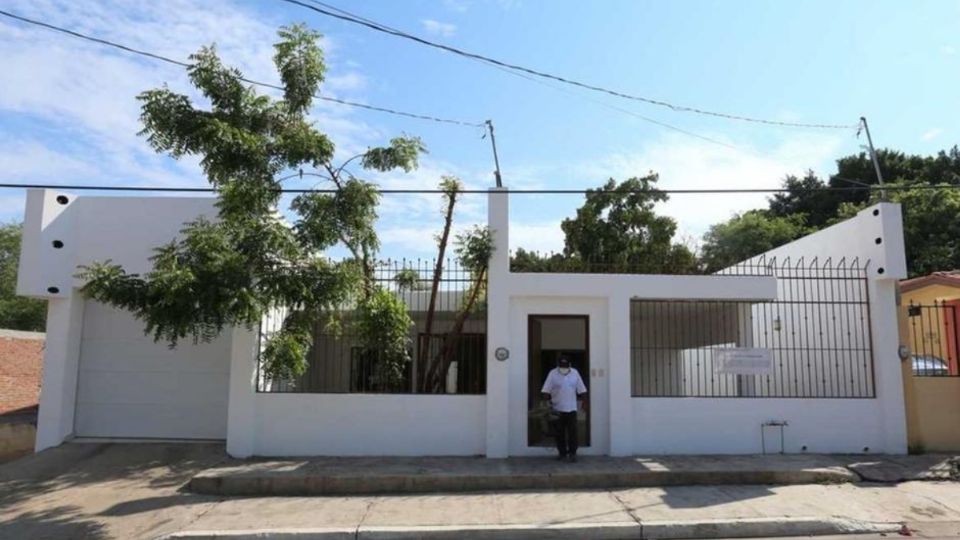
<point x="24" y="483"/>
<point x="60" y="523"/>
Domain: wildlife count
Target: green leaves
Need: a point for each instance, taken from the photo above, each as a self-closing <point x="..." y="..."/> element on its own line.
<point x="383" y="327"/>
<point x="408" y="279"/>
<point x="220" y="84"/>
<point x="617" y="226"/>
<point x="285" y="353"/>
<point x="746" y="235"/>
<point x="300" y="63"/>
<point x="347" y="215"/>
<point x="248" y="262"/>
<point x="401" y="154"/>
<point x="474" y="248"/>
<point x="16" y="312"/>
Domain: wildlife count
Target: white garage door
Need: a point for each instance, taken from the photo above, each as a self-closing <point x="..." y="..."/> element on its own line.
<point x="129" y="386"/>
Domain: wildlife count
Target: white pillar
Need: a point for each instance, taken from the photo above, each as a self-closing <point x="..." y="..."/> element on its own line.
<point x="241" y="413"/>
<point x="498" y="330"/>
<point x="61" y="359"/>
<point x="886" y="365"/>
<point x="618" y="371"/>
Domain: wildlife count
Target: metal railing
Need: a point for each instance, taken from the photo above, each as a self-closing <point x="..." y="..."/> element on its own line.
<point x="934" y="339"/>
<point x="338" y="363"/>
<point x="552" y="262"/>
<point x="815" y="338"/>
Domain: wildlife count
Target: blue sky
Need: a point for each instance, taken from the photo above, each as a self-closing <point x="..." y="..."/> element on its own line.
<point x="68" y="114"/>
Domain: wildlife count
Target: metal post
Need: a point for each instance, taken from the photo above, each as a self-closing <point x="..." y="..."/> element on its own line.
<point x="873" y="157"/>
<point x="496" y="160"/>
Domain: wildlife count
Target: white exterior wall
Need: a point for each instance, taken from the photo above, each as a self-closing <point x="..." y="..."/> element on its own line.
<point x="606" y="300"/>
<point x="127" y="229"/>
<point x="101" y="375"/>
<point x="130" y="386"/>
<point x="288" y="424"/>
<point x="877" y="425"/>
<point x="368" y="425"/>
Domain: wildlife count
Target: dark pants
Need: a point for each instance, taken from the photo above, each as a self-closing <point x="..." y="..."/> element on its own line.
<point x="565" y="431"/>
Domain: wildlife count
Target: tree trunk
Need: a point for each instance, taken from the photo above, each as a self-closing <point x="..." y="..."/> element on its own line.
<point x="423" y="348"/>
<point x="445" y="358"/>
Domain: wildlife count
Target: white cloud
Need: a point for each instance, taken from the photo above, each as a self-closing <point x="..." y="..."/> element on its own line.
<point x="345" y="83"/>
<point x="439" y="28"/>
<point x="68" y="107"/>
<point x="543" y="237"/>
<point x="687" y="164"/>
<point x="931" y="134"/>
<point x="19" y="160"/>
<point x="458" y="6"/>
<point x="948" y="50"/>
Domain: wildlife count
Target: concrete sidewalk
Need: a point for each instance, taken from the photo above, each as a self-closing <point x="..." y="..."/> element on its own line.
<point x="398" y="475"/>
<point x="136" y="491"/>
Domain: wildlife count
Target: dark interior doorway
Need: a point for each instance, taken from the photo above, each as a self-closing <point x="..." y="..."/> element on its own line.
<point x="549" y="337"/>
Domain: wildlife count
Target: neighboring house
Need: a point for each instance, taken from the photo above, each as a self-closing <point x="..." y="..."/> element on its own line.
<point x="21" y="364"/>
<point x="802" y="339"/>
<point x="929" y="311"/>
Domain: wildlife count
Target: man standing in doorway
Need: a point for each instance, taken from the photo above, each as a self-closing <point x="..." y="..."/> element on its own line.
<point x="563" y="388"/>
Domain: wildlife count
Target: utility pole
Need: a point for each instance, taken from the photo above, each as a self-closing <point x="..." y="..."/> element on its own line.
<point x="873" y="156"/>
<point x="496" y="160"/>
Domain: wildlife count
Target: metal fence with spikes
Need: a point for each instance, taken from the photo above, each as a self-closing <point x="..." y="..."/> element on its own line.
<point x="934" y="338"/>
<point x="817" y="332"/>
<point x="339" y="364"/>
<point x="553" y="262"/>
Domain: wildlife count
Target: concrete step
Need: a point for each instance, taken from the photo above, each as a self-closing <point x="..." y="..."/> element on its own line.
<point x="660" y="530"/>
<point x="368" y="476"/>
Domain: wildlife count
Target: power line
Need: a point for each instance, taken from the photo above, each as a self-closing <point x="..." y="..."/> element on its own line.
<point x="175" y="62"/>
<point x="704" y="191"/>
<point x="341" y="14"/>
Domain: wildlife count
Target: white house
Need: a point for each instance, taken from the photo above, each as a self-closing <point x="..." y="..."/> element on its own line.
<point x="795" y="350"/>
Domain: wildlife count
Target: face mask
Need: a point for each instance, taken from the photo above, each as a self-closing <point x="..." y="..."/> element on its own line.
<point x="564" y="370"/>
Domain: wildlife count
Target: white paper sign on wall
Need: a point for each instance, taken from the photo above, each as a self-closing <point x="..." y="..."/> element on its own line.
<point x="743" y="361"/>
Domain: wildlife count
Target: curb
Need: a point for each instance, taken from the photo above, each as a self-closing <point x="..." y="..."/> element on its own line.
<point x="215" y="482"/>
<point x="659" y="530"/>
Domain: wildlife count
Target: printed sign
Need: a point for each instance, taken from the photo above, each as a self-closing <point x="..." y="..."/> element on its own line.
<point x="743" y="361"/>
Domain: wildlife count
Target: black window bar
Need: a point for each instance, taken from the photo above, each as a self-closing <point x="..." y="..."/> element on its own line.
<point x="817" y="331"/>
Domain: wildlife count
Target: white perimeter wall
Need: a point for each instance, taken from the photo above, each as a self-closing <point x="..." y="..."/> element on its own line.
<point x="101" y="375"/>
<point x="733" y="425"/>
<point x="277" y="424"/>
<point x="130" y="386"/>
<point x="368" y="425"/>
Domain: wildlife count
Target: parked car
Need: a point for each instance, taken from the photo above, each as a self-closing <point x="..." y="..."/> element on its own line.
<point x="926" y="365"/>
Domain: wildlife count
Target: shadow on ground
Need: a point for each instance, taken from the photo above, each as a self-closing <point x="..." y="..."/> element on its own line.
<point x="53" y="494"/>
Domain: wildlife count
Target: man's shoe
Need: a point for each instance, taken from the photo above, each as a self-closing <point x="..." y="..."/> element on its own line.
<point x="572" y="458"/>
<point x="562" y="457"/>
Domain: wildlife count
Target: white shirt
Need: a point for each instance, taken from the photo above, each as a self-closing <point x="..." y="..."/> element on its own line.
<point x="564" y="389"/>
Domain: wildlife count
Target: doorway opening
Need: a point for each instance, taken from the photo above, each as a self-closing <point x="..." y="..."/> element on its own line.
<point x="549" y="337"/>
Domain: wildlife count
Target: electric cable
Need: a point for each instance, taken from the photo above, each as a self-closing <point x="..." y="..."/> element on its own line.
<point x="173" y="61"/>
<point x="341" y="14"/>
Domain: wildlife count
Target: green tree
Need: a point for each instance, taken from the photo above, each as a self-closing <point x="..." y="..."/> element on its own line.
<point x="16" y="312"/>
<point x="931" y="227"/>
<point x="474" y="248"/>
<point x="249" y="261"/>
<point x="806" y="195"/>
<point x="746" y="235"/>
<point x="617" y="226"/>
<point x="930" y="216"/>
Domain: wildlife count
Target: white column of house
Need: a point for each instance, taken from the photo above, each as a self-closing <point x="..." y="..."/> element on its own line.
<point x="888" y="376"/>
<point x="61" y="357"/>
<point x="498" y="330"/>
<point x="618" y="371"/>
<point x="241" y="409"/>
<point x="886" y="336"/>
